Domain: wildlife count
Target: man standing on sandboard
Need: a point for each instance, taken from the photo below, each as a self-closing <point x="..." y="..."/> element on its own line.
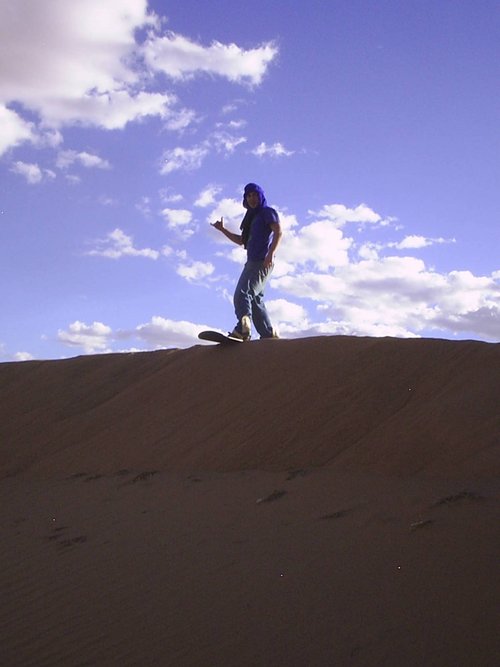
<point x="260" y="235"/>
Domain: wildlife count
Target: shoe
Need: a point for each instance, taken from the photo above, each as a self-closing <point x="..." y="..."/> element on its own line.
<point x="246" y="326"/>
<point x="273" y="335"/>
<point x="246" y="329"/>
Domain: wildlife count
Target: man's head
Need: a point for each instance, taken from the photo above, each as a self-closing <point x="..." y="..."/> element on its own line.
<point x="253" y="196"/>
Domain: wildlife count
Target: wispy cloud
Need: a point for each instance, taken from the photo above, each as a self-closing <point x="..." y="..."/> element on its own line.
<point x="274" y="150"/>
<point x="414" y="242"/>
<point x="190" y="159"/>
<point x="185" y="159"/>
<point x="117" y="244"/>
<point x="169" y="196"/>
<point x="180" y="57"/>
<point x="32" y="172"/>
<point x="144" y="206"/>
<point x="341" y="215"/>
<point x="68" y="158"/>
<point x="372" y="250"/>
<point x="225" y="142"/>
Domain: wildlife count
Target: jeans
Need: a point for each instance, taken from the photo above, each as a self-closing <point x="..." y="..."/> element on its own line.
<point x="249" y="297"/>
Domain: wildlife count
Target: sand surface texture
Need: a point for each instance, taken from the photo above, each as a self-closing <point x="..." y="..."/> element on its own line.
<point x="328" y="501"/>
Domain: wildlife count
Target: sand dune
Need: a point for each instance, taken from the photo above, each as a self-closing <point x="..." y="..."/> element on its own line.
<point x="397" y="406"/>
<point x="327" y="501"/>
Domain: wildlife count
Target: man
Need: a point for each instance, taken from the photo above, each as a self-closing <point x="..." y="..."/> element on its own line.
<point x="260" y="235"/>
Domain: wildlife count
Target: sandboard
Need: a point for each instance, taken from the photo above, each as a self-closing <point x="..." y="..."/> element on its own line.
<point x="217" y="337"/>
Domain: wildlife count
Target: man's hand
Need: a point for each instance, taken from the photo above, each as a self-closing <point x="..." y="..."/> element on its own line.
<point x="218" y="224"/>
<point x="268" y="260"/>
<point x="277" y="234"/>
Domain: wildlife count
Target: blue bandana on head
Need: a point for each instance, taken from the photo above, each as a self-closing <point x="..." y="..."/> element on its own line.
<point x="251" y="212"/>
<point x="253" y="187"/>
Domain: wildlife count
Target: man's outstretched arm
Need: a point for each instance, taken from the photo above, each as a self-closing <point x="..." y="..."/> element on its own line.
<point x="235" y="238"/>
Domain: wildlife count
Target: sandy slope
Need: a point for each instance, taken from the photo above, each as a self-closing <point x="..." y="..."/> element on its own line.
<point x="329" y="501"/>
<point x="397" y="406"/>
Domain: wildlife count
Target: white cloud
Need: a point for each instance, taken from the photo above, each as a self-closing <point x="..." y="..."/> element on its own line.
<point x="23" y="356"/>
<point x="167" y="251"/>
<point x="320" y="244"/>
<point x="397" y="296"/>
<point x="88" y="160"/>
<point x="93" y="338"/>
<point x="111" y="110"/>
<point x="163" y="332"/>
<point x="47" y="137"/>
<point x="167" y="196"/>
<point x="230" y="210"/>
<point x="83" y="63"/>
<point x="117" y="244"/>
<point x="47" y="47"/>
<point x="224" y="142"/>
<point x="195" y="271"/>
<point x="233" y="106"/>
<point x="183" y="159"/>
<point x="177" y="217"/>
<point x="31" y="172"/>
<point x="190" y="159"/>
<point x="371" y="250"/>
<point x="180" y="120"/>
<point x="287" y="317"/>
<point x="414" y="242"/>
<point x="180" y="58"/>
<point x="483" y="322"/>
<point x="275" y="150"/>
<point x="15" y="130"/>
<point x="340" y="215"/>
<point x="237" y="124"/>
<point x="207" y="196"/>
<point x="159" y="332"/>
<point x="144" y="206"/>
<point x="355" y="290"/>
<point x="104" y="200"/>
<point x="232" y="124"/>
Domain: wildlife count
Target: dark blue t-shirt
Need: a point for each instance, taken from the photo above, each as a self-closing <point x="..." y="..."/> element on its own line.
<point x="261" y="233"/>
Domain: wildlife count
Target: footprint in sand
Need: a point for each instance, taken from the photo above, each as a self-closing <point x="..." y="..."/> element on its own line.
<point x="334" y="515"/>
<point x="457" y="497"/>
<point x="275" y="495"/>
<point x="80" y="539"/>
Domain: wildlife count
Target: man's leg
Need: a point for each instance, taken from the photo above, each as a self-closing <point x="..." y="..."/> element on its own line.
<point x="259" y="312"/>
<point x="249" y="300"/>
<point x="261" y="317"/>
<point x="243" y="302"/>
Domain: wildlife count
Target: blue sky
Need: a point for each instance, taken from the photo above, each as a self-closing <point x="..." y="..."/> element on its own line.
<point x="127" y="126"/>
